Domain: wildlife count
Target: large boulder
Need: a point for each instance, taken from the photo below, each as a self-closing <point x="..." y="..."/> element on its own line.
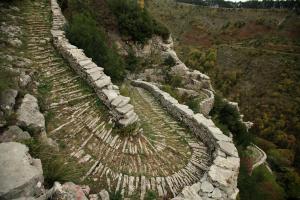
<point x="14" y="133"/>
<point x="8" y="100"/>
<point x="20" y="174"/>
<point x="29" y="116"/>
<point x="68" y="191"/>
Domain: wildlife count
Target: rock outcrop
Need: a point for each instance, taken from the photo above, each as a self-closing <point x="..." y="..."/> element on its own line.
<point x="14" y="133"/>
<point x="24" y="80"/>
<point x="20" y="175"/>
<point x="8" y="100"/>
<point x="68" y="191"/>
<point x="221" y="177"/>
<point x="190" y="79"/>
<point x="29" y="116"/>
<point x="119" y="106"/>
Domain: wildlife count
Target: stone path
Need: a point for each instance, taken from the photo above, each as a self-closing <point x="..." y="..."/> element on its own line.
<point x="164" y="158"/>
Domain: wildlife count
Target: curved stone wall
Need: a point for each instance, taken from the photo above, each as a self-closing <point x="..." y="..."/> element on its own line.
<point x="220" y="181"/>
<point x="208" y="103"/>
<point x="119" y="106"/>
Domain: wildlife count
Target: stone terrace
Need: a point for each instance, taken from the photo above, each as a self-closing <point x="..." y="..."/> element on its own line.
<point x="164" y="157"/>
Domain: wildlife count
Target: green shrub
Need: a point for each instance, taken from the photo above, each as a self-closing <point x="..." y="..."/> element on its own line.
<point x="162" y="30"/>
<point x="260" y="185"/>
<point x="83" y="32"/>
<point x="194" y="104"/>
<point x="280" y="157"/>
<point x="169" y="61"/>
<point x="150" y="195"/>
<point x="135" y="22"/>
<point x="169" y="89"/>
<point x="175" y="81"/>
<point x="239" y="24"/>
<point x="56" y="167"/>
<point x="125" y="131"/>
<point x="264" y="144"/>
<point x="115" y="195"/>
<point x="226" y="25"/>
<point x="226" y="114"/>
<point x="132" y="62"/>
<point x="291" y="181"/>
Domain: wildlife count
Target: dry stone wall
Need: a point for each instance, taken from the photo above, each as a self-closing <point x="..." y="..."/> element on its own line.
<point x="193" y="79"/>
<point x="220" y="180"/>
<point x="119" y="106"/>
<point x="208" y="103"/>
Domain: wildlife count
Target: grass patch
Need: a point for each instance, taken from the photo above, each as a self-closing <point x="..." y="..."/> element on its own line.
<point x="7" y="79"/>
<point x="56" y="167"/>
<point x="115" y="195"/>
<point x="125" y="131"/>
<point x="194" y="104"/>
<point x="102" y="108"/>
<point x="44" y="90"/>
<point x="150" y="195"/>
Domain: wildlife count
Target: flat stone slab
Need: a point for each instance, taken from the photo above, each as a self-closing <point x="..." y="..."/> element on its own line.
<point x="103" y="82"/>
<point x="222" y="176"/>
<point x="231" y="163"/>
<point x="207" y="187"/>
<point x="96" y="75"/>
<point x="20" y="175"/>
<point x="125" y="109"/>
<point x="29" y="116"/>
<point x="110" y="94"/>
<point x="228" y="148"/>
<point x="120" y="101"/>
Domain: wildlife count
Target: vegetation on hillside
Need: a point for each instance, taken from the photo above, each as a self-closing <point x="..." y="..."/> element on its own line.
<point x="94" y="43"/>
<point x="260" y="185"/>
<point x="229" y="120"/>
<point x="93" y="39"/>
<point x="254" y="60"/>
<point x="135" y="22"/>
<point x="56" y="167"/>
<point x="98" y="18"/>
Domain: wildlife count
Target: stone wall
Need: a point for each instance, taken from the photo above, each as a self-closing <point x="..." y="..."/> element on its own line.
<point x="119" y="106"/>
<point x="220" y="181"/>
<point x="192" y="79"/>
<point x="208" y="103"/>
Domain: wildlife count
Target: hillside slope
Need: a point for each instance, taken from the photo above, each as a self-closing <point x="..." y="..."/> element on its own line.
<point x="252" y="57"/>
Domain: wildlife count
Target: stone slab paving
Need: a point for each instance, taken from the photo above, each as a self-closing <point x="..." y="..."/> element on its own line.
<point x="164" y="158"/>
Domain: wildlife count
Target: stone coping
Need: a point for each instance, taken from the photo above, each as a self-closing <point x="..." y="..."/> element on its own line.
<point x="119" y="106"/>
<point x="208" y="103"/>
<point x="223" y="173"/>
